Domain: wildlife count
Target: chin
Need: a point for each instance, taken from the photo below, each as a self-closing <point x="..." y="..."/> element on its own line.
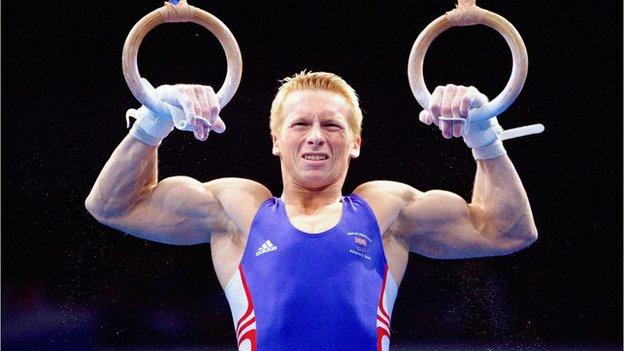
<point x="313" y="181"/>
<point x="317" y="181"/>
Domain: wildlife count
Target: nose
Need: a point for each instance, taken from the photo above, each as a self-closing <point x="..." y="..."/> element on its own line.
<point x="315" y="137"/>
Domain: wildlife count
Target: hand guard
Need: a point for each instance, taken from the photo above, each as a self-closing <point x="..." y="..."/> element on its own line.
<point x="152" y="127"/>
<point x="484" y="138"/>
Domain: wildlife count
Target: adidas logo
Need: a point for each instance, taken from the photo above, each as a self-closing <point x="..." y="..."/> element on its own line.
<point x="266" y="247"/>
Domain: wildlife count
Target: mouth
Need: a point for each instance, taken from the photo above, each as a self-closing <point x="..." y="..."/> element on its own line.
<point x="315" y="157"/>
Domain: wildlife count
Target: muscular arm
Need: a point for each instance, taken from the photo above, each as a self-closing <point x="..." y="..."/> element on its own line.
<point x="501" y="206"/>
<point x="177" y="210"/>
<point x="128" y="197"/>
<point x="441" y="224"/>
<point x="497" y="221"/>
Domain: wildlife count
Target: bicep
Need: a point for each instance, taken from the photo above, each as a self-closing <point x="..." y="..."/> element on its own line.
<point x="441" y="224"/>
<point x="178" y="210"/>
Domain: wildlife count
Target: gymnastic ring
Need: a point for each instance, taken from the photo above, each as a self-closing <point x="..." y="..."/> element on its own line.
<point x="181" y="12"/>
<point x="465" y="14"/>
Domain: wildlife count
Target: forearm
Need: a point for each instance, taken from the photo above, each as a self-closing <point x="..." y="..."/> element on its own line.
<point x="501" y="200"/>
<point x="127" y="176"/>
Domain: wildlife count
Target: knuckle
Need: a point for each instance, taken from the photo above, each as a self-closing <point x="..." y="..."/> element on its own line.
<point x="187" y="103"/>
<point x="450" y="87"/>
<point x="435" y="108"/>
<point x="186" y="89"/>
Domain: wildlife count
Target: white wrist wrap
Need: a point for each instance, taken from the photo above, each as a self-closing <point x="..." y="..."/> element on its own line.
<point x="491" y="151"/>
<point x="484" y="138"/>
<point x="149" y="128"/>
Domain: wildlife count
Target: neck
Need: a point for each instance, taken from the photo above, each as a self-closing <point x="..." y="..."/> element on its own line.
<point x="311" y="199"/>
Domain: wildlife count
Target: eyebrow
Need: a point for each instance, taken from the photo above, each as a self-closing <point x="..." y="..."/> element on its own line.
<point x="329" y="114"/>
<point x="331" y="119"/>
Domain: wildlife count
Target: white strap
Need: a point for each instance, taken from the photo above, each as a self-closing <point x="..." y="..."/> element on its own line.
<point x="507" y="134"/>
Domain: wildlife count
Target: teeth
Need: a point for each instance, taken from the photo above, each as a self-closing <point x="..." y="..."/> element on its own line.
<point x="315" y="157"/>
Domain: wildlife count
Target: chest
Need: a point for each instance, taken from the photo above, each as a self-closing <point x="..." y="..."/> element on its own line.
<point x="317" y="244"/>
<point x="317" y="221"/>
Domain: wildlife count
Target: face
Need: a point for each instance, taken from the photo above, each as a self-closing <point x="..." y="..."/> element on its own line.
<point x="314" y="141"/>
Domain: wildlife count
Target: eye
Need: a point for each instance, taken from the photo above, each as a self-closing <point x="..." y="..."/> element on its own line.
<point x="299" y="124"/>
<point x="332" y="126"/>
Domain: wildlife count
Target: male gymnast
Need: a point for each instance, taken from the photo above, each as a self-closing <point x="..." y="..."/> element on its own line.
<point x="313" y="269"/>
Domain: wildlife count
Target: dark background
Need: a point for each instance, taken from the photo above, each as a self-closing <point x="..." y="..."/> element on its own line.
<point x="68" y="282"/>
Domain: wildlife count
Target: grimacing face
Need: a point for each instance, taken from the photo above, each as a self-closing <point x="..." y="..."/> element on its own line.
<point x="314" y="141"/>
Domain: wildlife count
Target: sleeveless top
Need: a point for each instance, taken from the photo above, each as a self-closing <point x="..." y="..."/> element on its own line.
<point x="299" y="291"/>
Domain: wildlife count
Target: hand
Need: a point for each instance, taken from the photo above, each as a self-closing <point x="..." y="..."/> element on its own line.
<point x="452" y="102"/>
<point x="448" y="109"/>
<point x="199" y="108"/>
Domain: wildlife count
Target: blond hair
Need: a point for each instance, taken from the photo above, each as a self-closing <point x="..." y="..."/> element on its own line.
<point x="321" y="81"/>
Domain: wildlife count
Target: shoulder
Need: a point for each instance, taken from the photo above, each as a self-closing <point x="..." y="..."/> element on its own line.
<point x="238" y="193"/>
<point x="237" y="187"/>
<point x="239" y="198"/>
<point x="386" y="190"/>
<point x="387" y="199"/>
<point x="218" y="189"/>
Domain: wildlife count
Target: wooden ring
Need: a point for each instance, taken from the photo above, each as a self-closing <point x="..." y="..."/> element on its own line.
<point x="478" y="16"/>
<point x="181" y="12"/>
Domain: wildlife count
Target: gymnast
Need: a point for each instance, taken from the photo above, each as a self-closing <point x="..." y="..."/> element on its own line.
<point x="313" y="269"/>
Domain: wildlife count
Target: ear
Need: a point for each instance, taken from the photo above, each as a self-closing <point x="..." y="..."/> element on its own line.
<point x="276" y="145"/>
<point x="355" y="151"/>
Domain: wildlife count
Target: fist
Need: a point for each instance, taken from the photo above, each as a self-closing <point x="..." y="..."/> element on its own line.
<point x="199" y="104"/>
<point x="452" y="101"/>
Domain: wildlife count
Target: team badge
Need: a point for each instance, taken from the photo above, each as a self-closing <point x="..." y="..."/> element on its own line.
<point x="361" y="244"/>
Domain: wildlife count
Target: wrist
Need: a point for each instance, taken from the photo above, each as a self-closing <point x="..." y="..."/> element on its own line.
<point x="484" y="138"/>
<point x="493" y="150"/>
<point x="149" y="128"/>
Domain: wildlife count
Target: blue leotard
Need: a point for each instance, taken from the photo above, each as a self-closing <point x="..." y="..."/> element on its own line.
<point x="299" y="291"/>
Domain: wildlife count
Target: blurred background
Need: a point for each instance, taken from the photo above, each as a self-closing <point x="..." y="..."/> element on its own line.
<point x="69" y="283"/>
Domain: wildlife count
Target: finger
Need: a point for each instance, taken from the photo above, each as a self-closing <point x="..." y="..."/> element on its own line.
<point x="187" y="106"/>
<point x="467" y="101"/>
<point x="218" y="125"/>
<point x="456" y="127"/>
<point x="202" y="98"/>
<point x="198" y="131"/>
<point x="205" y="129"/>
<point x="427" y="118"/>
<point x="479" y="99"/>
<point x="436" y="101"/>
<point x="445" y="127"/>
<point x="215" y="107"/>
<point x="207" y="132"/>
<point x="445" y="110"/>
<point x="197" y="109"/>
<point x="423" y="117"/>
<point x="200" y="124"/>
